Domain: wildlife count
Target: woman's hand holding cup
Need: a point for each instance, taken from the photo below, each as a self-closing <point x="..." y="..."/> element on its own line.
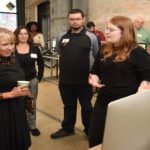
<point x="23" y="87"/>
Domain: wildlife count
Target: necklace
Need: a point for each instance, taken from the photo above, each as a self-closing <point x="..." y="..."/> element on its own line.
<point x="7" y="60"/>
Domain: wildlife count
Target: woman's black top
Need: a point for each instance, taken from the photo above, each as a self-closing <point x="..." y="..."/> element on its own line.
<point x="14" y="131"/>
<point x="122" y="78"/>
<point x="28" y="62"/>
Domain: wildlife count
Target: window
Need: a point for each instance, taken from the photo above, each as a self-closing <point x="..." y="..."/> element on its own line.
<point x="8" y="14"/>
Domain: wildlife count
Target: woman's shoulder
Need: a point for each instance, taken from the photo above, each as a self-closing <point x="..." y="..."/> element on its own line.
<point x="34" y="48"/>
<point x="139" y="51"/>
<point x="39" y="34"/>
<point x="138" y="54"/>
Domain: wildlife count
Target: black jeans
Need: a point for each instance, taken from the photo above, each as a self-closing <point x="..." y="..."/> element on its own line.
<point x="97" y="125"/>
<point x="69" y="95"/>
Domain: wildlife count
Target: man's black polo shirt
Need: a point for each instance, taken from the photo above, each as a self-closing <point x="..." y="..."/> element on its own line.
<point x="77" y="52"/>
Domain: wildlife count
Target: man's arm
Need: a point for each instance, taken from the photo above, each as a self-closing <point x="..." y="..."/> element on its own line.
<point x="94" y="47"/>
<point x="58" y="39"/>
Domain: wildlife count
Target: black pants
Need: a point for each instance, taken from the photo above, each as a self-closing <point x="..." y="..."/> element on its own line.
<point x="96" y="129"/>
<point x="69" y="95"/>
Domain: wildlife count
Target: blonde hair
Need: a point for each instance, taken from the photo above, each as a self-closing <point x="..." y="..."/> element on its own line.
<point x="7" y="34"/>
<point x="127" y="41"/>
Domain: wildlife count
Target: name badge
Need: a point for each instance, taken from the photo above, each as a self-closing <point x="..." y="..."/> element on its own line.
<point x="33" y="55"/>
<point x="139" y="35"/>
<point x="65" y="40"/>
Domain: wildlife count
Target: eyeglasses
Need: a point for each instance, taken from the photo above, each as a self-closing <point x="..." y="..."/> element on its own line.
<point x="108" y="29"/>
<point x="75" y="19"/>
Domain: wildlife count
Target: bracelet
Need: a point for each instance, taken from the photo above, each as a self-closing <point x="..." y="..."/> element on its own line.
<point x="1" y="96"/>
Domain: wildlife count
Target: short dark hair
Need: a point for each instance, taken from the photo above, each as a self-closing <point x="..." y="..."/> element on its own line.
<point x="75" y="11"/>
<point x="29" y="24"/>
<point x="90" y="24"/>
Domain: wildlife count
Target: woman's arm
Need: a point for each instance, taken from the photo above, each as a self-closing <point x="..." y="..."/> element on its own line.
<point x="144" y="85"/>
<point x="15" y="92"/>
<point x="40" y="64"/>
<point x="95" y="81"/>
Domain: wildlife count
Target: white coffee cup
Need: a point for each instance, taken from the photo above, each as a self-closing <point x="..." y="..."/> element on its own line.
<point x="23" y="83"/>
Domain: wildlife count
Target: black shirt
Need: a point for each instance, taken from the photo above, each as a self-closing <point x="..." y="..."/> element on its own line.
<point x="75" y="53"/>
<point x="123" y="78"/>
<point x="14" y="130"/>
<point x="28" y="63"/>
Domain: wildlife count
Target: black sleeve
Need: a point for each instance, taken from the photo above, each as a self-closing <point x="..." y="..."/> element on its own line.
<point x="141" y="60"/>
<point x="40" y="64"/>
<point x="95" y="68"/>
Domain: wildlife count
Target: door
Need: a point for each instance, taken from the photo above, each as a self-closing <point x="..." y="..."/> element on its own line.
<point x="44" y="18"/>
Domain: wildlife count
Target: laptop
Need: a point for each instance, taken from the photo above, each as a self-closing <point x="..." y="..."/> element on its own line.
<point x="128" y="123"/>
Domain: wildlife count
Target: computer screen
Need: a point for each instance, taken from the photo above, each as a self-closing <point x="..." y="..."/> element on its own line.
<point x="128" y="123"/>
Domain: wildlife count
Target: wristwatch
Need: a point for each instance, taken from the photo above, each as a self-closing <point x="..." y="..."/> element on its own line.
<point x="1" y="96"/>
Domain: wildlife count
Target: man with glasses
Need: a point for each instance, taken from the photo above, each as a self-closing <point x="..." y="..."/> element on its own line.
<point x="77" y="48"/>
<point x="142" y="34"/>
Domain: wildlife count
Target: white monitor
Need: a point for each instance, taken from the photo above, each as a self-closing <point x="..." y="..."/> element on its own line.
<point x="128" y="123"/>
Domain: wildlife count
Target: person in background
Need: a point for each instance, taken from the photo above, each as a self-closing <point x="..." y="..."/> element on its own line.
<point x="120" y="69"/>
<point x="37" y="36"/>
<point x="77" y="48"/>
<point x="142" y="34"/>
<point x="28" y="56"/>
<point x="14" y="131"/>
<point x="91" y="27"/>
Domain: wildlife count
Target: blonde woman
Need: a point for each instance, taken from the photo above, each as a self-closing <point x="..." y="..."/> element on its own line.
<point x="14" y="132"/>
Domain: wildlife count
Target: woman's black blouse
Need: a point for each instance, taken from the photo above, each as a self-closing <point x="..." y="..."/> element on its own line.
<point x="28" y="62"/>
<point x="122" y="78"/>
<point x="14" y="130"/>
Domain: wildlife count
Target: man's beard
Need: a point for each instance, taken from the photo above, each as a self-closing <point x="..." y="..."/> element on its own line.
<point x="76" y="28"/>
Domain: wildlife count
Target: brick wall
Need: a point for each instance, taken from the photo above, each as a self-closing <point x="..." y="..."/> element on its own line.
<point x="101" y="10"/>
<point x="31" y="9"/>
